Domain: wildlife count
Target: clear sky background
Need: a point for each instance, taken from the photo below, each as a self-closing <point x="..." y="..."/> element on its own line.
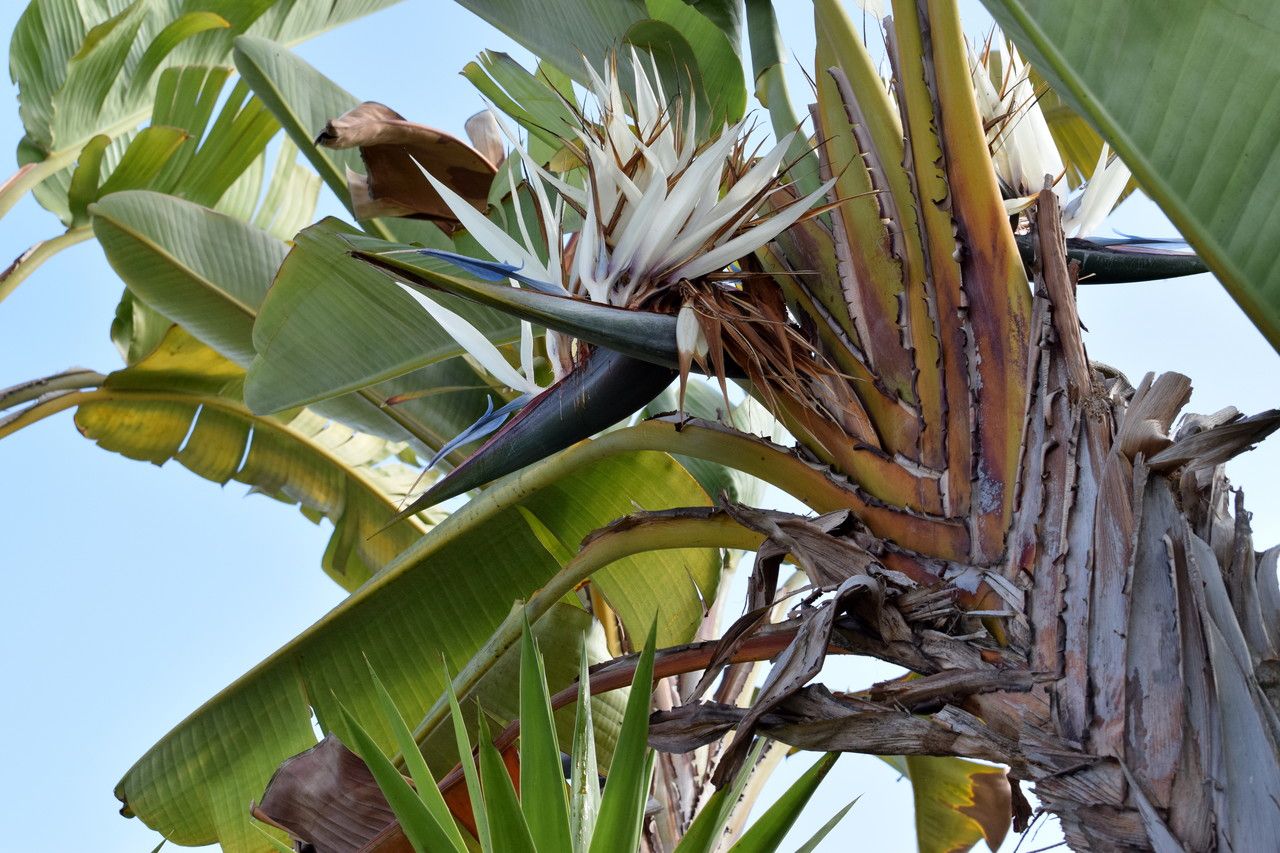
<point x="133" y="593"/>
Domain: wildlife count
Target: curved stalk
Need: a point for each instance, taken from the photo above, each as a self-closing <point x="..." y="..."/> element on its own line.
<point x="699" y="528"/>
<point x="777" y="466"/>
<point x="69" y="380"/>
<point x="774" y="464"/>
<point x="31" y="176"/>
<point x="48" y="408"/>
<point x="30" y="260"/>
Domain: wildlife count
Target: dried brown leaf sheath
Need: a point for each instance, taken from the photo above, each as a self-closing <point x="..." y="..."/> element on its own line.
<point x="393" y="185"/>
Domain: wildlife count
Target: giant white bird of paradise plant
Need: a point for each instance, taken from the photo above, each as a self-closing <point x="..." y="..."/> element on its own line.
<point x="669" y="227"/>
<point x="665" y="217"/>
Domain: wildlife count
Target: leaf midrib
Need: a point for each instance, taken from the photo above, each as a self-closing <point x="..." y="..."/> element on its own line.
<point x="204" y="282"/>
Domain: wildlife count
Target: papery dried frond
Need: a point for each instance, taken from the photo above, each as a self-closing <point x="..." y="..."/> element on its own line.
<point x="390" y="146"/>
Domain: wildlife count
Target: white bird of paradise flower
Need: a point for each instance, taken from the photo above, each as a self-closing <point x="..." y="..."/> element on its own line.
<point x="1023" y="151"/>
<point x="653" y="214"/>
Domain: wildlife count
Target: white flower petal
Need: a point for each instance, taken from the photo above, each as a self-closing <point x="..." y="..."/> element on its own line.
<point x="644" y="219"/>
<point x="1030" y="147"/>
<point x="610" y="177"/>
<point x="647" y="106"/>
<point x="555" y="354"/>
<point x="495" y="241"/>
<point x="657" y="80"/>
<point x="690" y="146"/>
<point x="1019" y="204"/>
<point x="526" y="350"/>
<point x="613" y="113"/>
<point x="745" y="243"/>
<point x="991" y="108"/>
<point x="587" y="258"/>
<point x="731" y="205"/>
<point x="650" y="113"/>
<point x="474" y="342"/>
<point x="690" y="340"/>
<point x="1100" y="195"/>
<point x="518" y="210"/>
<point x="702" y="177"/>
<point x="550" y="219"/>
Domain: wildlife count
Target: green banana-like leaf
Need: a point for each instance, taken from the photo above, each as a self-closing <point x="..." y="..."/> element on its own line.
<point x="528" y="99"/>
<point x="87" y="68"/>
<point x="713" y="59"/>
<point x="85" y="180"/>
<point x="290" y="199"/>
<point x="158" y="245"/>
<point x="216" y="158"/>
<point x="446" y="594"/>
<point x="138" y="166"/>
<point x="539" y="25"/>
<point x="182" y="402"/>
<point x="600" y="27"/>
<point x="137" y="328"/>
<point x="1189" y="108"/>
<point x="220" y="151"/>
<point x="330" y="325"/>
<point x="725" y="14"/>
<point x="70" y="64"/>
<point x="302" y="100"/>
<point x="224" y="162"/>
<point x="957" y="802"/>
<point x="174" y="33"/>
<point x="189" y="152"/>
<point x="143" y="159"/>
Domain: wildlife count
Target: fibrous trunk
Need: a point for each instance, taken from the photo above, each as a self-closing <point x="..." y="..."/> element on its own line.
<point x="1146" y="608"/>
<point x="1128" y="670"/>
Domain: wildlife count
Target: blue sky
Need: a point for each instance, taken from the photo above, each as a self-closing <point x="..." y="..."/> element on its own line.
<point x="133" y="593"/>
